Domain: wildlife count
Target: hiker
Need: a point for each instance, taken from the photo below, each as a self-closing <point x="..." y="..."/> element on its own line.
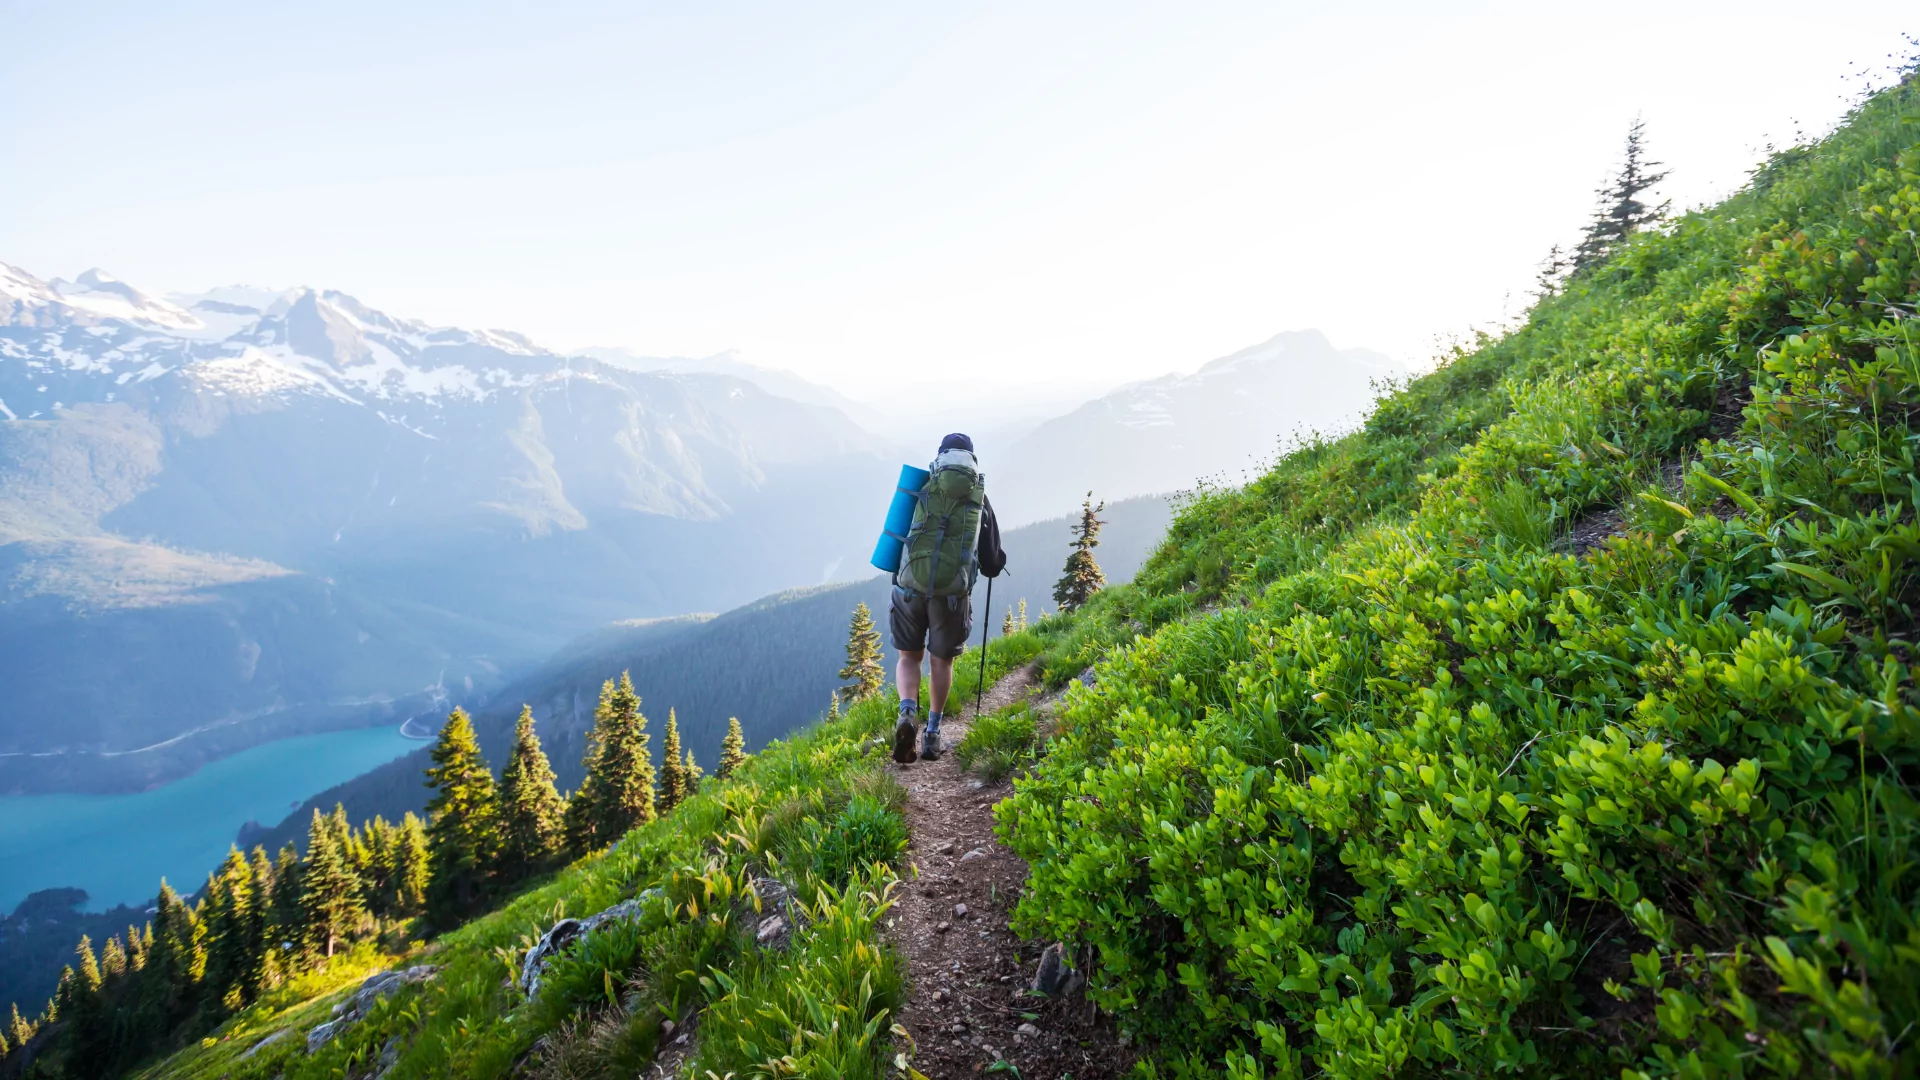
<point x="954" y="539"/>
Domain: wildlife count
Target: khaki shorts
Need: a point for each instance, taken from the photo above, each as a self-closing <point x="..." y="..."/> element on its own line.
<point x="938" y="624"/>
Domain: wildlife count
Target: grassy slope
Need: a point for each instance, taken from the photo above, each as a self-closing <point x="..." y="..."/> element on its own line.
<point x="1382" y="777"/>
<point x="817" y="810"/>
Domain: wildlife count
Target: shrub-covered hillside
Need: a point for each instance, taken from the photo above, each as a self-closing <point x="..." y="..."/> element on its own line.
<point x="1564" y="720"/>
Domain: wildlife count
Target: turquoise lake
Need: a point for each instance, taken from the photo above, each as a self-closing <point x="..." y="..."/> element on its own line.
<point x="118" y="847"/>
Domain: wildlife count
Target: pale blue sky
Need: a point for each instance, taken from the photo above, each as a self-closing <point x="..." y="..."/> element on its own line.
<point x="873" y="194"/>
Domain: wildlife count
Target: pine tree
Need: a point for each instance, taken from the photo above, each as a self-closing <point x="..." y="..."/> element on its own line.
<point x="1082" y="577"/>
<point x="733" y="749"/>
<point x="1007" y="626"/>
<point x="330" y="903"/>
<point x="1553" y="272"/>
<point x="618" y="792"/>
<point x="381" y="841"/>
<point x="18" y="1029"/>
<point x="1621" y="213"/>
<point x="176" y="960"/>
<point x="113" y="958"/>
<point x="137" y="943"/>
<point x="691" y="770"/>
<point x="1023" y="606"/>
<point x="89" y="967"/>
<point x="530" y="808"/>
<point x="412" y="867"/>
<point x="673" y="778"/>
<point x="234" y="898"/>
<point x="462" y="824"/>
<point x="863" y="658"/>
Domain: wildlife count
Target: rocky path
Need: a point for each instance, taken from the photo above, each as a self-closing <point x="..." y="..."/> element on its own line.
<point x="969" y="1009"/>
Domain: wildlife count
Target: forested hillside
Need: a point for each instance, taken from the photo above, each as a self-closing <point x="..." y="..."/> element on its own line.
<point x="771" y="664"/>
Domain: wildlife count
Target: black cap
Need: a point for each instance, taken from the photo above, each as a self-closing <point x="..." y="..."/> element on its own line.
<point x="956" y="441"/>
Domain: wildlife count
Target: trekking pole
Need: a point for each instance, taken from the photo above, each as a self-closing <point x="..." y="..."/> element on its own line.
<point x="986" y="627"/>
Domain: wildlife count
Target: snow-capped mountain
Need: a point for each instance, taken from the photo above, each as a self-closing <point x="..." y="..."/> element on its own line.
<point x="1165" y="434"/>
<point x="328" y="504"/>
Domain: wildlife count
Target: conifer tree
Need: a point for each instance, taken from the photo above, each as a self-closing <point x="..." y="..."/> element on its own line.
<point x="530" y="808"/>
<point x="863" y="657"/>
<point x="233" y="938"/>
<point x="176" y="959"/>
<point x="1621" y="213"/>
<point x="89" y="966"/>
<point x="691" y="771"/>
<point x="330" y="901"/>
<point x="733" y="749"/>
<point x="1006" y="624"/>
<point x="673" y="777"/>
<point x="137" y="943"/>
<point x="618" y="792"/>
<point x="113" y="958"/>
<point x="20" y="1030"/>
<point x="462" y="824"/>
<point x="5" y="1047"/>
<point x="412" y="867"/>
<point x="1023" y="607"/>
<point x="84" y="1015"/>
<point x="1082" y="577"/>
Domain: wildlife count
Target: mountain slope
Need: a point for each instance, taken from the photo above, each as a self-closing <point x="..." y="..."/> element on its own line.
<point x="269" y="511"/>
<point x="770" y="663"/>
<point x="1169" y="433"/>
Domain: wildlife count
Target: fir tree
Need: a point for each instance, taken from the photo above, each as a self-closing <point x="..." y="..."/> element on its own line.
<point x="84" y="1016"/>
<point x="18" y="1029"/>
<point x="1082" y="577"/>
<point x="691" y="771"/>
<point x="137" y="943"/>
<point x="1007" y="626"/>
<point x="863" y="657"/>
<point x="412" y="867"/>
<point x="673" y="778"/>
<point x="113" y="958"/>
<point x="1023" y="607"/>
<point x="233" y="942"/>
<point x="176" y="959"/>
<point x="330" y="901"/>
<point x="5" y="1047"/>
<point x="1621" y="213"/>
<point x="1553" y="272"/>
<point x="618" y="792"/>
<point x="89" y="967"/>
<point x="462" y="823"/>
<point x="530" y="808"/>
<point x="733" y="749"/>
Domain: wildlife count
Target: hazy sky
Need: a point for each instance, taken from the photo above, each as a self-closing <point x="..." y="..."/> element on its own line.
<point x="880" y="194"/>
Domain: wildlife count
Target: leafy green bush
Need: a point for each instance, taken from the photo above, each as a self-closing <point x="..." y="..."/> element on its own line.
<point x="999" y="743"/>
<point x="865" y="833"/>
<point x="1376" y="783"/>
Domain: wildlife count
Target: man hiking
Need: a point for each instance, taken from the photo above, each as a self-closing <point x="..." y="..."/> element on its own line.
<point x="954" y="539"/>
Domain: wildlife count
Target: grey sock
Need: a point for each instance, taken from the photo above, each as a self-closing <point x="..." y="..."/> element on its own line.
<point x="908" y="708"/>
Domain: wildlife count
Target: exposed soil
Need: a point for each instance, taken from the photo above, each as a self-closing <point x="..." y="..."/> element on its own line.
<point x="969" y="1008"/>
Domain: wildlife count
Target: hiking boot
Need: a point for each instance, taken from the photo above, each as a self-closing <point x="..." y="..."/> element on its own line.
<point x="930" y="744"/>
<point x="903" y="742"/>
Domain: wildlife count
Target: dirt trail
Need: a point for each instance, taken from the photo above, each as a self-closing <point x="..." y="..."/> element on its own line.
<point x="967" y="1009"/>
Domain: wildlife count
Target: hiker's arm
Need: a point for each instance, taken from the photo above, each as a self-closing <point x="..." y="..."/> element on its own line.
<point x="987" y="552"/>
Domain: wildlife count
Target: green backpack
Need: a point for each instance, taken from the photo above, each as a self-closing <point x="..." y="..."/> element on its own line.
<point x="940" y="557"/>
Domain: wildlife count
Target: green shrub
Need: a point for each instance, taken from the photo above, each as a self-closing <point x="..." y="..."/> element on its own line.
<point x="1420" y="796"/>
<point x="999" y="743"/>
